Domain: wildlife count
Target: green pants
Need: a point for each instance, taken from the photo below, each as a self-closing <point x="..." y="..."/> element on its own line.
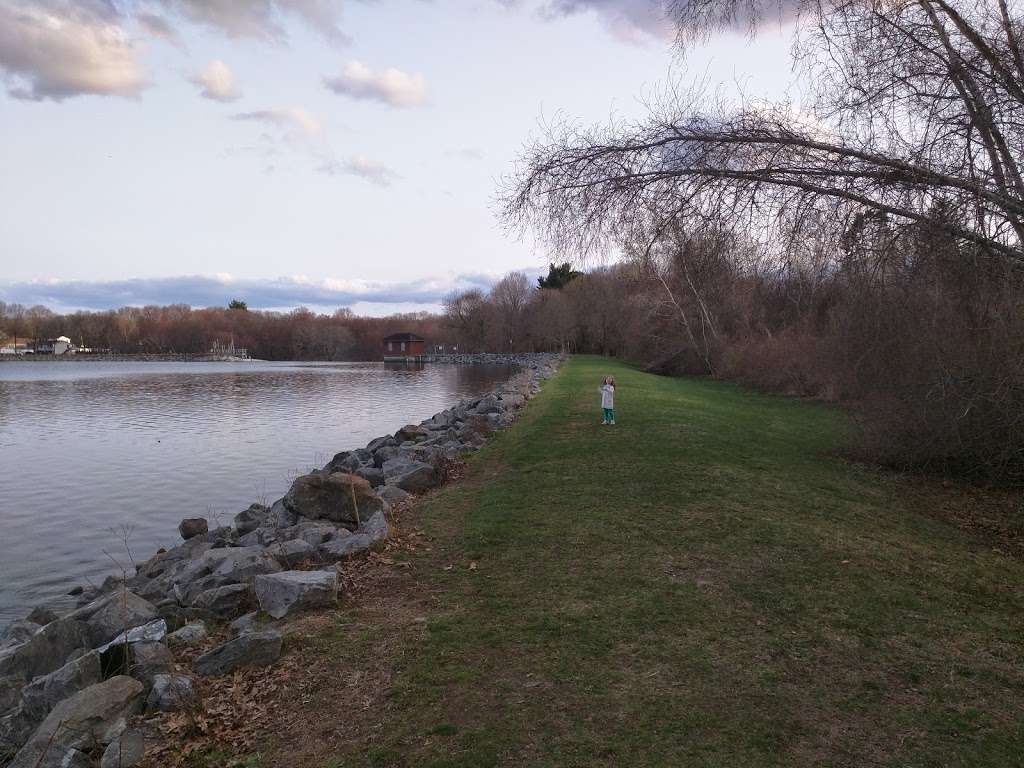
<point x="609" y="414"/>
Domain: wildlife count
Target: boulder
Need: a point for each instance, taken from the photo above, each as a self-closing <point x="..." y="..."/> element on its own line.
<point x="339" y="497"/>
<point x="411" y="432"/>
<point x="410" y="475"/>
<point x="380" y="442"/>
<point x="383" y="454"/>
<point x="373" y="475"/>
<point x="249" y="649"/>
<point x="153" y="632"/>
<point x="392" y="493"/>
<point x="44" y="693"/>
<point x="338" y="549"/>
<point x="223" y="602"/>
<point x="190" y="634"/>
<point x="242" y="563"/>
<point x="247" y="623"/>
<point x="191" y="527"/>
<point x="126" y="751"/>
<point x="98" y="714"/>
<point x="376" y="527"/>
<point x="281" y="516"/>
<point x="263" y="536"/>
<point x="279" y="594"/>
<point x="315" y="533"/>
<point x="18" y="632"/>
<point x="149" y="660"/>
<point x="45" y="651"/>
<point x="346" y="461"/>
<point x="171" y="693"/>
<point x="123" y="611"/>
<point x="291" y="553"/>
<point x="252" y="518"/>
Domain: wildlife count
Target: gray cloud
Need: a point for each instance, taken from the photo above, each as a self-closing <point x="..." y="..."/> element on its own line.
<point x="292" y="119"/>
<point x="57" y="49"/>
<point x="632" y="21"/>
<point x="362" y="167"/>
<point x="208" y="291"/>
<point x="261" y="18"/>
<point x="389" y="86"/>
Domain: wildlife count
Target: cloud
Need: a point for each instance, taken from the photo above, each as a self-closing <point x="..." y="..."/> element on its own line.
<point x="261" y="18"/>
<point x="390" y="86"/>
<point x="362" y="167"/>
<point x="281" y="293"/>
<point x="631" y="21"/>
<point x="293" y="120"/>
<point x="216" y="82"/>
<point x="157" y="26"/>
<point x="57" y="49"/>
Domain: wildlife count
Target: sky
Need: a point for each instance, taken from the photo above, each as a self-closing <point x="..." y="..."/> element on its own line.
<point x="319" y="153"/>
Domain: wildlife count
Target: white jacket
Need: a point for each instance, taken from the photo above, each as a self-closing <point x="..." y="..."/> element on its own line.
<point x="607" y="396"/>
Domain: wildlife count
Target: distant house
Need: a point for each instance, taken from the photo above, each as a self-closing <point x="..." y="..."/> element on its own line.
<point x="403" y="345"/>
<point x="60" y="346"/>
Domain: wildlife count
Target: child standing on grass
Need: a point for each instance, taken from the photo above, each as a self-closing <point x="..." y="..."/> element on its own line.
<point x="607" y="391"/>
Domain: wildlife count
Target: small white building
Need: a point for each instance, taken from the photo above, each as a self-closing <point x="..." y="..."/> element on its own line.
<point x="62" y="345"/>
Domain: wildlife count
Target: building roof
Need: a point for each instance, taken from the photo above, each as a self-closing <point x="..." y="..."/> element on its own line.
<point x="403" y="337"/>
<point x="65" y="339"/>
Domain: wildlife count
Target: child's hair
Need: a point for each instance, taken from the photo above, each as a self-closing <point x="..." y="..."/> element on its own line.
<point x="609" y="380"/>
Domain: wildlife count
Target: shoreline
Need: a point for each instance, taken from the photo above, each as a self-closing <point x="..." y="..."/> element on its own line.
<point x="473" y="358"/>
<point x="275" y="558"/>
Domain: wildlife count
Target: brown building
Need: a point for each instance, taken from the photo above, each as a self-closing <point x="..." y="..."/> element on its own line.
<point x="403" y="345"/>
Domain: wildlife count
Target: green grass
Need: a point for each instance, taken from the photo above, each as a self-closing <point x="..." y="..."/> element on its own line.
<point x="703" y="584"/>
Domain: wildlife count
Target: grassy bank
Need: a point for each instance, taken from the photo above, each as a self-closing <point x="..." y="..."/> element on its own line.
<point x="704" y="584"/>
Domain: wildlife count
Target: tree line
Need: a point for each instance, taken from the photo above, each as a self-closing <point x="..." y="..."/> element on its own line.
<point x="180" y="329"/>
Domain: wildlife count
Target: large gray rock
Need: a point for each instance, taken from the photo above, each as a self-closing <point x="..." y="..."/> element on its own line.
<point x="346" y="461"/>
<point x="380" y="442"/>
<point x="291" y="553"/>
<point x="252" y="518"/>
<point x="192" y="633"/>
<point x="339" y="549"/>
<point x="44" y="693"/>
<point x="153" y="632"/>
<point x="279" y="594"/>
<point x="126" y="751"/>
<point x="171" y="693"/>
<point x="263" y="536"/>
<point x="149" y="660"/>
<point x="392" y="493"/>
<point x="410" y="475"/>
<point x="18" y="632"/>
<point x="191" y="527"/>
<point x="373" y="475"/>
<point x="45" y="651"/>
<point x="376" y="527"/>
<point x="411" y="432"/>
<point x="96" y="715"/>
<point x="339" y="497"/>
<point x="224" y="602"/>
<point x="241" y="564"/>
<point x="315" y="532"/>
<point x="248" y="623"/>
<point x="258" y="649"/>
<point x="124" y="611"/>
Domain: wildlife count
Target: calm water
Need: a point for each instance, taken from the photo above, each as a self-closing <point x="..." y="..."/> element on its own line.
<point x="88" y="449"/>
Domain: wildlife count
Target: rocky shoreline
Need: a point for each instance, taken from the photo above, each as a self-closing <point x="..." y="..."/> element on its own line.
<point x="71" y="680"/>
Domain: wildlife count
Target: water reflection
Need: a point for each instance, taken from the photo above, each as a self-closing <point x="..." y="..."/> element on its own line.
<point x="89" y="447"/>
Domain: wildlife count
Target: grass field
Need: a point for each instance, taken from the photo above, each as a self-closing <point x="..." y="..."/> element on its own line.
<point x="704" y="584"/>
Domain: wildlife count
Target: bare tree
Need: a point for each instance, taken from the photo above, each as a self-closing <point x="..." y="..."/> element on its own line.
<point x="917" y="113"/>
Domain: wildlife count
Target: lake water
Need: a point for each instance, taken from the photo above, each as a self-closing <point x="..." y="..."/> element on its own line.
<point x="89" y="450"/>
